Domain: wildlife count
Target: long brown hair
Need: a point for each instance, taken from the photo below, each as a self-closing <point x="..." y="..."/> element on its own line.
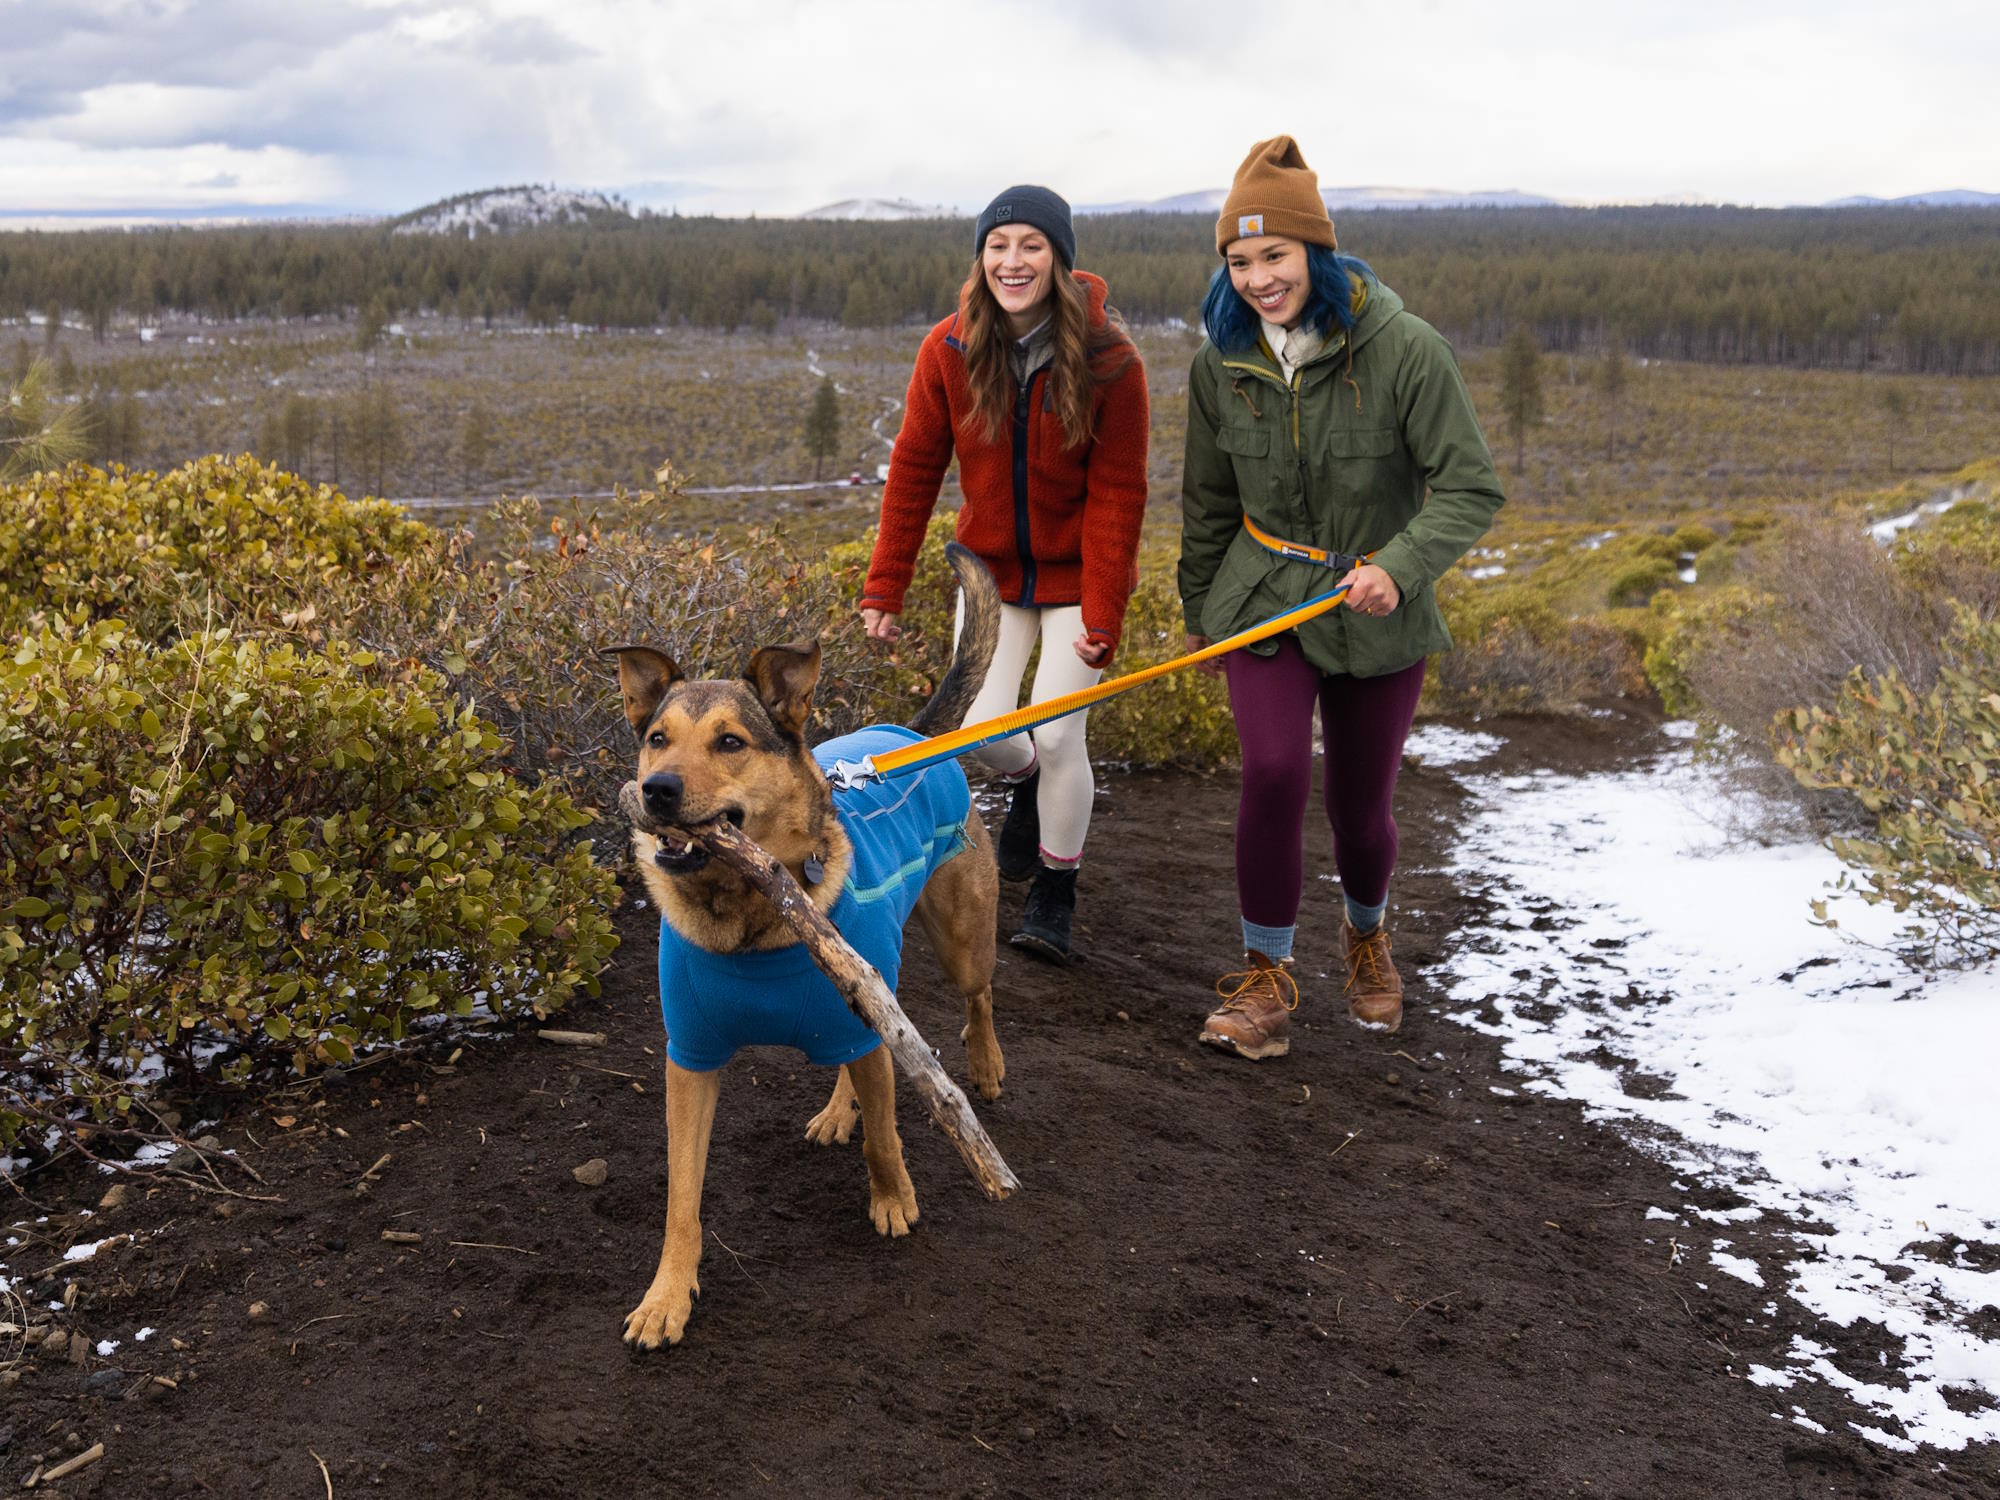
<point x="1084" y="358"/>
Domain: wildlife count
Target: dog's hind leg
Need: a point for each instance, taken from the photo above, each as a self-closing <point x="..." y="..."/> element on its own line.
<point x="663" y="1314"/>
<point x="833" y="1125"/>
<point x="959" y="910"/>
<point x="892" y="1201"/>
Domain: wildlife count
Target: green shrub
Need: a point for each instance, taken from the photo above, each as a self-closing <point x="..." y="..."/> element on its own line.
<point x="154" y="549"/>
<point x="292" y="852"/>
<point x="1636" y="585"/>
<point x="1693" y="537"/>
<point x="1927" y="766"/>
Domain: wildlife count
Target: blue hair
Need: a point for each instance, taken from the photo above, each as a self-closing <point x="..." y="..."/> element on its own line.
<point x="1233" y="325"/>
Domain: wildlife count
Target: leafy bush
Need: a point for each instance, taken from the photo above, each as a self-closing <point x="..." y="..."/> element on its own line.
<point x="1926" y="764"/>
<point x="1638" y="583"/>
<point x="154" y="549"/>
<point x="291" y="852"/>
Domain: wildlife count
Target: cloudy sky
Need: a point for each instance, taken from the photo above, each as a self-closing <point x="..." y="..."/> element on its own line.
<point x="231" y="107"/>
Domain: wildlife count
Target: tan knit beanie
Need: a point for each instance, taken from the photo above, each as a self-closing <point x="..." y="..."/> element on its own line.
<point x="1275" y="192"/>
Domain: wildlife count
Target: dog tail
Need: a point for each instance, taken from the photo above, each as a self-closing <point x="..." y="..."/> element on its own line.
<point x="976" y="642"/>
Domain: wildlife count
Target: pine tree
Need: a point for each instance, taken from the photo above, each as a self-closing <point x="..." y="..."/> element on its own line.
<point x="1521" y="389"/>
<point x="475" y="442"/>
<point x="823" y="424"/>
<point x="1611" y="381"/>
<point x="1895" y="403"/>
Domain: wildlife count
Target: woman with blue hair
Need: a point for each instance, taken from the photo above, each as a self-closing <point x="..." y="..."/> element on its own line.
<point x="1330" y="440"/>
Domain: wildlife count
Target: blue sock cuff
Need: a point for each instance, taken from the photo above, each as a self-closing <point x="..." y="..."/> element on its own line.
<point x="1365" y="918"/>
<point x="1275" y="943"/>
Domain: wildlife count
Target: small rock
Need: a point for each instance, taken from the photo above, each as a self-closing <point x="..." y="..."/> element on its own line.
<point x="208" y="1143"/>
<point x="334" y="1243"/>
<point x="225" y="1210"/>
<point x="259" y="1311"/>
<point x="593" y="1172"/>
<point x="105" y="1382"/>
<point x="56" y="1344"/>
<point x="6" y="1438"/>
<point x="79" y="1349"/>
<point x="1123" y="1016"/>
<point x="171" y="1119"/>
<point x="333" y="1078"/>
<point x="1392" y="1078"/>
<point x="114" y="1196"/>
<point x="9" y="1379"/>
<point x="1027" y="1433"/>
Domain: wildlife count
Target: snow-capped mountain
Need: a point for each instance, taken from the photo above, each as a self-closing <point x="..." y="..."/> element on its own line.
<point x="881" y="208"/>
<point x="499" y="210"/>
<point x="1209" y="201"/>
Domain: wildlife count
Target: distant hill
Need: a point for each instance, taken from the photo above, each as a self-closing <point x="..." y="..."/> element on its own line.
<point x="881" y="208"/>
<point x="501" y="210"/>
<point x="1948" y="198"/>
<point x="1209" y="201"/>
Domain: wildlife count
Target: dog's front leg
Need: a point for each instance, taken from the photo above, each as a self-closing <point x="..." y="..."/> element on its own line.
<point x="690" y="1117"/>
<point x="892" y="1201"/>
<point x="834" y="1124"/>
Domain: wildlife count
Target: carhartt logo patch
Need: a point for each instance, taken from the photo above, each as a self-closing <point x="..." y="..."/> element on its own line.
<point x="1248" y="225"/>
<point x="1004" y="211"/>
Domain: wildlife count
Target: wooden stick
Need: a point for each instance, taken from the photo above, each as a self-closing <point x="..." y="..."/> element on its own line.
<point x="574" y="1038"/>
<point x="83" y="1460"/>
<point x="861" y="987"/>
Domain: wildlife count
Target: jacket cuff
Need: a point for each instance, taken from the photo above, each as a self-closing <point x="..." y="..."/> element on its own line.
<point x="1401" y="566"/>
<point x="884" y="602"/>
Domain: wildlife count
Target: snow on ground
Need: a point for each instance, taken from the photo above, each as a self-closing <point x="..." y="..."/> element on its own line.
<point x="1816" y="1077"/>
<point x="1442" y="745"/>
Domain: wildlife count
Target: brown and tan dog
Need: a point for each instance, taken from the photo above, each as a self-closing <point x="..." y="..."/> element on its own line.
<point x="735" y="749"/>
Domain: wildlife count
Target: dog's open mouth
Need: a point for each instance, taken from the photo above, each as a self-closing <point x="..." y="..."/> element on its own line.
<point x="679" y="852"/>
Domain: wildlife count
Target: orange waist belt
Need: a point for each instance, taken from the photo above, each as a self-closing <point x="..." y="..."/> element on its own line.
<point x="1300" y="552"/>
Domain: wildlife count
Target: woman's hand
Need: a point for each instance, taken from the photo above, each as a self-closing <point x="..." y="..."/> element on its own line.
<point x="1092" y="653"/>
<point x="1370" y="591"/>
<point x="1208" y="668"/>
<point x="880" y="624"/>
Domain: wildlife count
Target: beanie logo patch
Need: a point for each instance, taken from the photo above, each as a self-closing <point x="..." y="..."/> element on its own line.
<point x="1248" y="226"/>
<point x="1004" y="211"/>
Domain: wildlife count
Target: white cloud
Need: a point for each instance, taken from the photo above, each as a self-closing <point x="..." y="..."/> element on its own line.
<point x="786" y="104"/>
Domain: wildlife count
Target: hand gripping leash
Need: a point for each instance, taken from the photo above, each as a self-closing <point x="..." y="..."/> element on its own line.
<point x="921" y="753"/>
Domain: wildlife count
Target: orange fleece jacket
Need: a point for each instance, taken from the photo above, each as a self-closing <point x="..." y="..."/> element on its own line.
<point x="1055" y="525"/>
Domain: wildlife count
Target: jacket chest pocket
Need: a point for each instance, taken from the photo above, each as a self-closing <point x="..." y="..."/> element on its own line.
<point x="1363" y="465"/>
<point x="1249" y="450"/>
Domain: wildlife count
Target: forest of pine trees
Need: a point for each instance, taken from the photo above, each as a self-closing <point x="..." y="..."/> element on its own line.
<point x="1917" y="290"/>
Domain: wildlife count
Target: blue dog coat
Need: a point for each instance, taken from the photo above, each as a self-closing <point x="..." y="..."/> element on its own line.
<point x="902" y="829"/>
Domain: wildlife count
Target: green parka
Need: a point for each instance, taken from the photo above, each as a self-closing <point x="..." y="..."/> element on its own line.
<point x="1385" y="459"/>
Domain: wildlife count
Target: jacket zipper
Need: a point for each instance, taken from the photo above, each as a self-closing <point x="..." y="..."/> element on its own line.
<point x="1022" y="542"/>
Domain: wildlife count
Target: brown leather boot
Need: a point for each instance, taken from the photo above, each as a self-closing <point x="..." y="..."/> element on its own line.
<point x="1374" y="988"/>
<point x="1255" y="1018"/>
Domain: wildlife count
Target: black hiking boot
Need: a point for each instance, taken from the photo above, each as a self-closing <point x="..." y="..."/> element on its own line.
<point x="1045" y="921"/>
<point x="1019" y="852"/>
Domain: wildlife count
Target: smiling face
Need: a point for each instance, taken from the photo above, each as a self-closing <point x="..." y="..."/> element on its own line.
<point x="1020" y="268"/>
<point x="1269" y="272"/>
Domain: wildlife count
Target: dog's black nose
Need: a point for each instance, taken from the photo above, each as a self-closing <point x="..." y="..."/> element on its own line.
<point x="662" y="791"/>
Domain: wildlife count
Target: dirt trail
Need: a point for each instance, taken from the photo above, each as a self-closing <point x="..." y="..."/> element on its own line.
<point x="1355" y="1272"/>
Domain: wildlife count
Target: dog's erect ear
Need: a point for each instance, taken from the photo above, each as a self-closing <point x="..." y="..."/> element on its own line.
<point x="644" y="675"/>
<point x="784" y="677"/>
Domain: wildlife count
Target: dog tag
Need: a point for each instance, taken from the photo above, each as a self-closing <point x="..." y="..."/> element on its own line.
<point x="814" y="870"/>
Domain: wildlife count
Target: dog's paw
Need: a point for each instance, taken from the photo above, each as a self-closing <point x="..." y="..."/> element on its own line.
<point x="893" y="1212"/>
<point x="834" y="1125"/>
<point x="983" y="1060"/>
<point x="661" y="1318"/>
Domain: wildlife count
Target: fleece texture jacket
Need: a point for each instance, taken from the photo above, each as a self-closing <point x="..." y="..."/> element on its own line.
<point x="902" y="829"/>
<point x="1054" y="524"/>
<point x="1385" y="458"/>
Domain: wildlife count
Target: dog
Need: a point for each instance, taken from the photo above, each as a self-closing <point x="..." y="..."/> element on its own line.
<point x="732" y="971"/>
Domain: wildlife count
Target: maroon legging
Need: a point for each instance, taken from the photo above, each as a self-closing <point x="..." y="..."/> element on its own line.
<point x="1363" y="722"/>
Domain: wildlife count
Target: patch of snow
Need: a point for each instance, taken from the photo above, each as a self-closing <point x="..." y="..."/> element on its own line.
<point x="499" y="210"/>
<point x="1803" y="1070"/>
<point x="1490" y="570"/>
<point x="1661" y="1213"/>
<point x="1765" y="1375"/>
<point x="143" y="1334"/>
<point x="1441" y="745"/>
<point x="106" y="1348"/>
<point x="84" y="1252"/>
<point x="1887" y="531"/>
<point x="1738" y="1266"/>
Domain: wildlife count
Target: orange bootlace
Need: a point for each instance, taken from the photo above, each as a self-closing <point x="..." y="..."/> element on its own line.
<point x="1247" y="983"/>
<point x="1371" y="953"/>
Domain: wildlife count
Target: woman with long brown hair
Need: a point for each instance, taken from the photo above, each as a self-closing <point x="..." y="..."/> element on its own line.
<point x="1035" y="387"/>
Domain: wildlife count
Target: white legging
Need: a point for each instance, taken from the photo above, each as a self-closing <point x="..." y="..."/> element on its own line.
<point x="1063" y="795"/>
